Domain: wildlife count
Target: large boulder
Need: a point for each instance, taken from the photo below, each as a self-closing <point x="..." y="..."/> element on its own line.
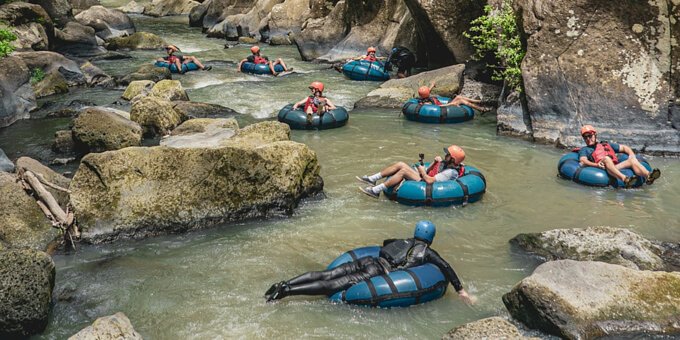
<point x="160" y="8"/>
<point x="197" y="14"/>
<point x="63" y="142"/>
<point x="81" y="5"/>
<point x="53" y="83"/>
<point x="26" y="283"/>
<point x="155" y="115"/>
<point x="22" y="223"/>
<point x="77" y="40"/>
<point x="201" y="133"/>
<point x="51" y="62"/>
<point x="30" y="23"/>
<point x="16" y="94"/>
<point x="59" y="10"/>
<point x="136" y="192"/>
<point x="132" y="7"/>
<point x="202" y="110"/>
<point x="136" y="88"/>
<point x="489" y="328"/>
<point x="607" y="65"/>
<point x="107" y="23"/>
<point x="393" y="93"/>
<point x="137" y="41"/>
<point x="586" y="300"/>
<point x="94" y="76"/>
<point x="223" y="17"/>
<point x="116" y="326"/>
<point x="169" y="90"/>
<point x="606" y="244"/>
<point x="6" y="164"/>
<point x="97" y="130"/>
<point x="147" y="72"/>
<point x="29" y="164"/>
<point x="287" y="17"/>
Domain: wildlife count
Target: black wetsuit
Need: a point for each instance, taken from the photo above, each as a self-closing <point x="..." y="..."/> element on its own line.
<point x="395" y="254"/>
<point x="404" y="59"/>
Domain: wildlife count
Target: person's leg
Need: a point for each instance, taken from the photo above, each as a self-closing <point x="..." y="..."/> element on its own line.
<point x="388" y="171"/>
<point x="469" y="102"/>
<point x="271" y="67"/>
<point x="614" y="169"/>
<point x="194" y="60"/>
<point x="635" y="165"/>
<point x="179" y="66"/>
<point x="407" y="173"/>
<point x="341" y="270"/>
<point x="280" y="61"/>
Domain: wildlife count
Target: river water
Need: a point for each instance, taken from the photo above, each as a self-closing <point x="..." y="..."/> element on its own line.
<point x="209" y="284"/>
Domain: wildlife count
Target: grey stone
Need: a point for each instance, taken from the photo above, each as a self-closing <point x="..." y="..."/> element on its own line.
<point x="6" y="164"/>
<point x="112" y="327"/>
<point x="16" y="94"/>
<point x="107" y="23"/>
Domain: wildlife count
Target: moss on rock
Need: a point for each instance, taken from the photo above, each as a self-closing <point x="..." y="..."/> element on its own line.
<point x="98" y="130"/>
<point x="155" y="115"/>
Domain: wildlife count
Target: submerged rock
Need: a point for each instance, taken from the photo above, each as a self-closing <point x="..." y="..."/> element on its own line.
<point x="137" y="192"/>
<point x="6" y="164"/>
<point x="137" y="41"/>
<point x="489" y="328"/>
<point x="116" y="326"/>
<point x="606" y="244"/>
<point x="586" y="300"/>
<point x="107" y="23"/>
<point x="17" y="98"/>
<point x="97" y="130"/>
<point x="26" y="283"/>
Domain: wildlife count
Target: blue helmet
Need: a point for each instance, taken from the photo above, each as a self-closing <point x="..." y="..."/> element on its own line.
<point x="425" y="231"/>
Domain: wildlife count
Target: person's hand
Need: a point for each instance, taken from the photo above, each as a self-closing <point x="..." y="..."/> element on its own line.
<point x="438" y="159"/>
<point x="600" y="165"/>
<point x="295" y="107"/>
<point x="432" y="85"/>
<point x="468" y="299"/>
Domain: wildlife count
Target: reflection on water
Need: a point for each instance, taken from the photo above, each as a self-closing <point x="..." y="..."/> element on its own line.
<point x="209" y="284"/>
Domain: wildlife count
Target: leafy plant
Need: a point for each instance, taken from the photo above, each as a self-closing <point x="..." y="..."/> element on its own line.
<point x="496" y="32"/>
<point x="6" y="38"/>
<point x="37" y="74"/>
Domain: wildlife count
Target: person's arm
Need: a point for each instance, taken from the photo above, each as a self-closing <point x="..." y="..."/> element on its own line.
<point x="625" y="149"/>
<point x="296" y="105"/>
<point x="446" y="269"/>
<point x="330" y="105"/>
<point x="424" y="175"/>
<point x="238" y="69"/>
<point x="585" y="161"/>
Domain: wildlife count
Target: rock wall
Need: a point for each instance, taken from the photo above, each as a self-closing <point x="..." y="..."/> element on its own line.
<point x="16" y="94"/>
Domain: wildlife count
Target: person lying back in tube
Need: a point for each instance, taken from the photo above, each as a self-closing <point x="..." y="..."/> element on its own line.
<point x="179" y="59"/>
<point x="370" y="56"/>
<point x="395" y="254"/>
<point x="603" y="155"/>
<point x="425" y="97"/>
<point x="316" y="103"/>
<point x="447" y="169"/>
<point x="257" y="58"/>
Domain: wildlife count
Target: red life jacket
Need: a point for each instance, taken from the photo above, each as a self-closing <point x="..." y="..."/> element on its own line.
<point x="428" y="100"/>
<point x="370" y="58"/>
<point x="310" y="103"/>
<point x="260" y="60"/>
<point x="602" y="150"/>
<point x="437" y="167"/>
<point x="171" y="59"/>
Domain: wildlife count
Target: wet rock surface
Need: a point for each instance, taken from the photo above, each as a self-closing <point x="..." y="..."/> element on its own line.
<point x="202" y="110"/>
<point x="116" y="326"/>
<point x="6" y="164"/>
<point x="17" y="97"/>
<point x="98" y="130"/>
<point x="155" y="115"/>
<point x="489" y="328"/>
<point x="147" y="72"/>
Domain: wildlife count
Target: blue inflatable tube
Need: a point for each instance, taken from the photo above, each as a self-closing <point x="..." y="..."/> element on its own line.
<point x="466" y="189"/>
<point x="248" y="67"/>
<point x="365" y="70"/>
<point x="569" y="168"/>
<point x="297" y="119"/>
<point x="190" y="66"/>
<point x="429" y="113"/>
<point x="401" y="288"/>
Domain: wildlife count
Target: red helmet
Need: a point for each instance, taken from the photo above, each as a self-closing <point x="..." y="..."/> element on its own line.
<point x="456" y="153"/>
<point x="255" y="49"/>
<point x="371" y="49"/>
<point x="317" y="85"/>
<point x="587" y="129"/>
<point x="424" y="92"/>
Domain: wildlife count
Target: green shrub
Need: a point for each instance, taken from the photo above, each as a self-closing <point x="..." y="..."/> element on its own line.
<point x="6" y="38"/>
<point x="496" y="32"/>
<point x="37" y="74"/>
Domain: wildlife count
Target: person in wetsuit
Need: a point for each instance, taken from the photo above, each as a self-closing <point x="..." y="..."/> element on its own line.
<point x="395" y="254"/>
<point x="403" y="59"/>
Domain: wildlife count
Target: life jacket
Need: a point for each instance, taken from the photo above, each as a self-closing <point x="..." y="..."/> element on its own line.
<point x="260" y="60"/>
<point x="370" y="58"/>
<point x="311" y="102"/>
<point x="429" y="100"/>
<point x="438" y="167"/>
<point x="399" y="252"/>
<point x="172" y="58"/>
<point x="602" y="150"/>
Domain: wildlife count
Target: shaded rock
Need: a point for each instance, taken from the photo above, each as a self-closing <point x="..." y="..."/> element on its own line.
<point x="606" y="244"/>
<point x="16" y="93"/>
<point x="280" y="40"/>
<point x="201" y="133"/>
<point x="6" y="164"/>
<point x="63" y="142"/>
<point x="169" y="90"/>
<point x="202" y="110"/>
<point x="107" y="23"/>
<point x="26" y="283"/>
<point x="241" y="19"/>
<point x="137" y="192"/>
<point x="111" y="55"/>
<point x="96" y="130"/>
<point x="160" y="8"/>
<point x="81" y="5"/>
<point x="247" y="40"/>
<point x="42" y="171"/>
<point x="116" y="326"/>
<point x="61" y="110"/>
<point x="147" y="72"/>
<point x="394" y="92"/>
<point x="121" y="113"/>
<point x="137" y="41"/>
<point x="321" y="34"/>
<point x="197" y="14"/>
<point x="489" y="328"/>
<point x="94" y="76"/>
<point x="59" y="10"/>
<point x="53" y="83"/>
<point x="288" y="17"/>
<point x="22" y="223"/>
<point x="132" y="7"/>
<point x="670" y="254"/>
<point x="586" y="300"/>
<point x="136" y="88"/>
<point x="30" y="23"/>
<point x="51" y="62"/>
<point x="155" y="115"/>
<point x="512" y="118"/>
<point x="77" y="40"/>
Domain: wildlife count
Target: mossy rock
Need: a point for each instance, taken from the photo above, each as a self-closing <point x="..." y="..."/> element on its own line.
<point x="53" y="83"/>
<point x="98" y="130"/>
<point x="30" y="164"/>
<point x="155" y="115"/>
<point x="169" y="90"/>
<point x="137" y="41"/>
<point x="199" y="125"/>
<point x="137" y="87"/>
<point x="147" y="72"/>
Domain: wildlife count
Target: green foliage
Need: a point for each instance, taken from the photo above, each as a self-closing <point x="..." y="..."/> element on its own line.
<point x="37" y="74"/>
<point x="496" y="32"/>
<point x="6" y="38"/>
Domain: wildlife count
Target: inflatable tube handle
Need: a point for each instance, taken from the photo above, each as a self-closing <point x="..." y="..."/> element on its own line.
<point x="419" y="285"/>
<point x="466" y="194"/>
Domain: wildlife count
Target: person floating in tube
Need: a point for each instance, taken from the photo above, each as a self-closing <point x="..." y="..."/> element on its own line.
<point x="256" y="58"/>
<point x="424" y="97"/>
<point x="316" y="103"/>
<point x="178" y="60"/>
<point x="395" y="254"/>
<point x="603" y="155"/>
<point x="403" y="59"/>
<point x="447" y="169"/>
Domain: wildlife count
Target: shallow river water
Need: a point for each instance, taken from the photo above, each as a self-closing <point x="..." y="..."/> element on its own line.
<point x="209" y="284"/>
